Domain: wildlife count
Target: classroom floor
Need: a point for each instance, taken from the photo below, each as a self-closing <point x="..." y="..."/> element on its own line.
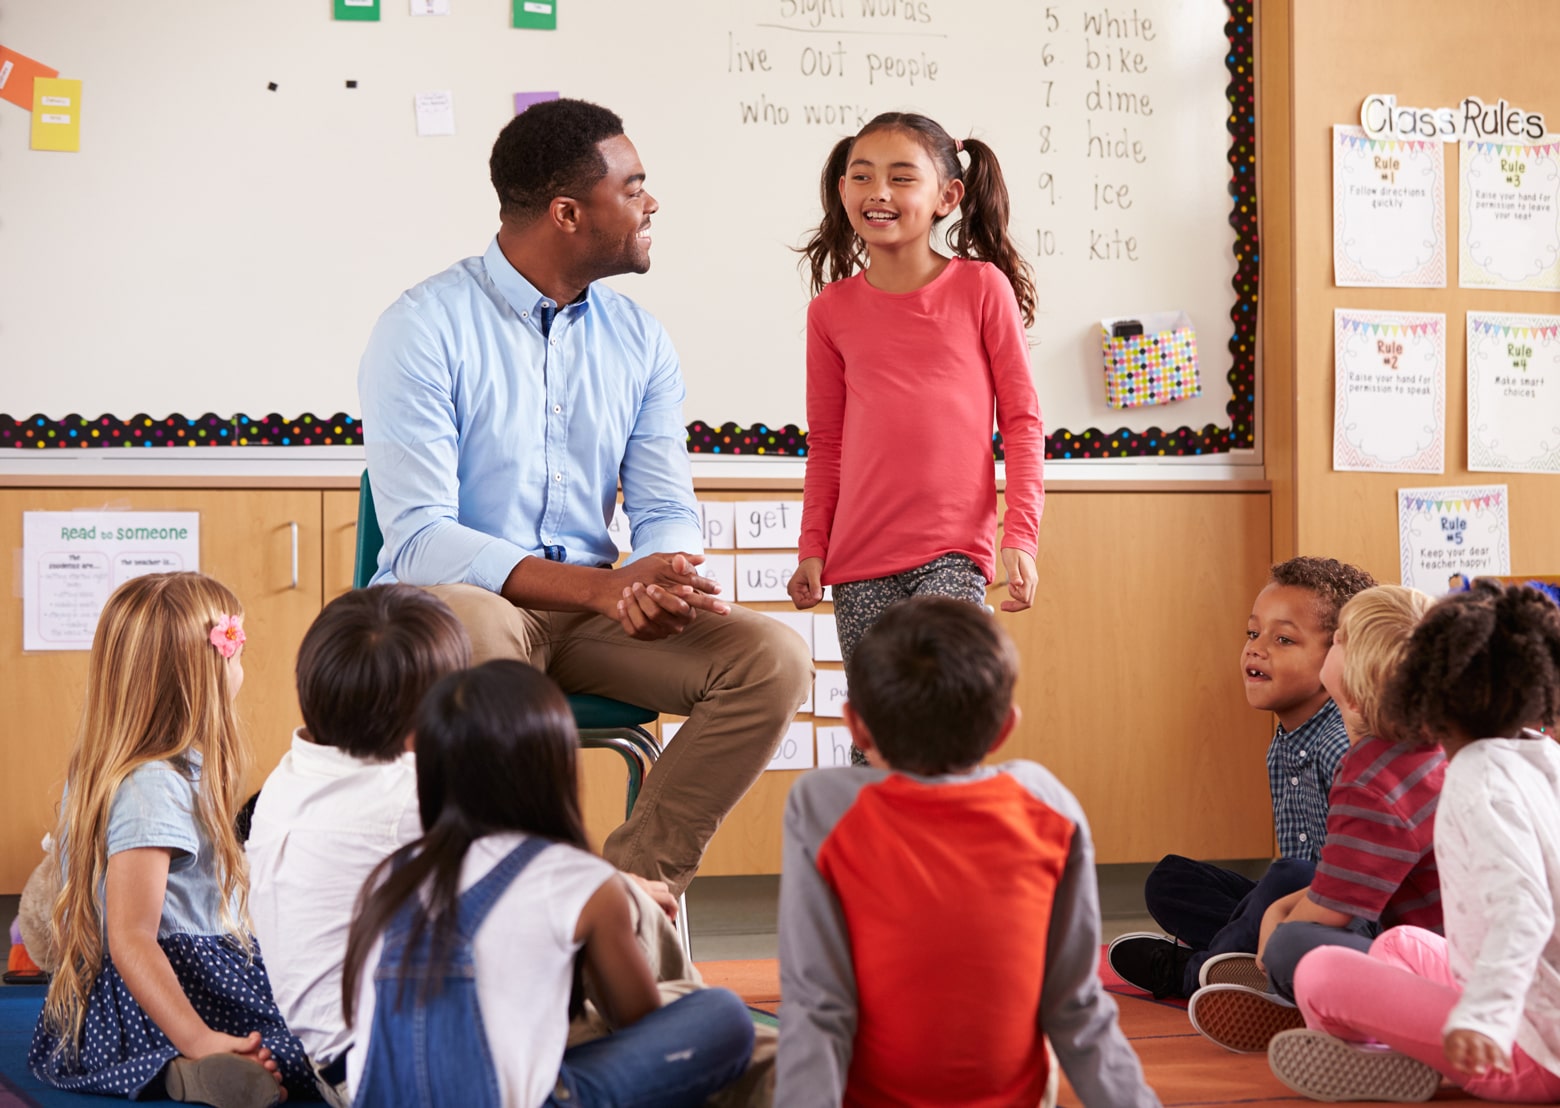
<point x="733" y="926"/>
<point x="733" y="918"/>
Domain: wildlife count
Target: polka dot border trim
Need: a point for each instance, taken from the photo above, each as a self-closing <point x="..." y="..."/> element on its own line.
<point x="145" y="431"/>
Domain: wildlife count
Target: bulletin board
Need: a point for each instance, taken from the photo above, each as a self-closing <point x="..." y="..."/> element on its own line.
<point x="1430" y="53"/>
<point x="251" y="192"/>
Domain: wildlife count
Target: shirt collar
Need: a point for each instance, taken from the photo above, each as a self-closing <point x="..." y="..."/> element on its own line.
<point x="1326" y="717"/>
<point x="329" y="761"/>
<point x="525" y="298"/>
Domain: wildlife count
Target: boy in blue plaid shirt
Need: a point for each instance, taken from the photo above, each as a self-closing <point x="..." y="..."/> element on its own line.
<point x="1210" y="911"/>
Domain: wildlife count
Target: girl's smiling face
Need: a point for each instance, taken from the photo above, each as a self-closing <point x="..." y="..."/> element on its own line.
<point x="892" y="192"/>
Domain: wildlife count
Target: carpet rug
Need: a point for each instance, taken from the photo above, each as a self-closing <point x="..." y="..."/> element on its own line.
<point x="1185" y="1069"/>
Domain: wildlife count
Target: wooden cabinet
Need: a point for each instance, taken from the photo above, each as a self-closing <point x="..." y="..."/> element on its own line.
<point x="1129" y="689"/>
<point x="338" y="529"/>
<point x="247" y="541"/>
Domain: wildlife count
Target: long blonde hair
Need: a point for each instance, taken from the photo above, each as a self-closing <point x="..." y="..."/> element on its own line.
<point x="157" y="691"/>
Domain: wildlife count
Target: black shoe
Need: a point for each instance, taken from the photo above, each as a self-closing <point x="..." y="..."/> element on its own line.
<point x="1150" y="962"/>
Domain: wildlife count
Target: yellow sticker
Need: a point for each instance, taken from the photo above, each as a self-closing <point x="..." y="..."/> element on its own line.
<point x="56" y="114"/>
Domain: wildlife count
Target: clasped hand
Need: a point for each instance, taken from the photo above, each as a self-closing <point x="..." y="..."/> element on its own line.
<point x="1474" y="1054"/>
<point x="660" y="595"/>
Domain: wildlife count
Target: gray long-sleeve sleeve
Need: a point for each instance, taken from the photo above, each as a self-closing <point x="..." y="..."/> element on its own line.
<point x="817" y="977"/>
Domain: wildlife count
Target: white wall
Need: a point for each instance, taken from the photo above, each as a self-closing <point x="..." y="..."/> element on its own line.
<point x="216" y="246"/>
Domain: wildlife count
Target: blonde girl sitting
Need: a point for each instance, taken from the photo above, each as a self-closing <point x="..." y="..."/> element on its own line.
<point x="160" y="990"/>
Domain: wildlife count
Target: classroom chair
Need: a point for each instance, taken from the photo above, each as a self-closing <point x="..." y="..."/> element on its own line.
<point x="603" y="723"/>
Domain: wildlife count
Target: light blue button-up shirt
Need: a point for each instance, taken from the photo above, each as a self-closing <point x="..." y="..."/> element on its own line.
<point x="488" y="441"/>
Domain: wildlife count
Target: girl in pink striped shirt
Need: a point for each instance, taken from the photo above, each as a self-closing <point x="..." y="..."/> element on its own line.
<point x="909" y="353"/>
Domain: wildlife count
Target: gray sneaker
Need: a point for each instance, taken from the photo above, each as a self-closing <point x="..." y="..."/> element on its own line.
<point x="1315" y="1064"/>
<point x="1233" y="969"/>
<point x="1240" y="1019"/>
<point x="223" y="1080"/>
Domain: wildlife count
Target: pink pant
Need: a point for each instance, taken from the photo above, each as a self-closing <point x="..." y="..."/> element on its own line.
<point x="1400" y="994"/>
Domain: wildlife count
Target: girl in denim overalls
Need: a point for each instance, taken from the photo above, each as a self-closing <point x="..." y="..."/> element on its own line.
<point x="160" y="988"/>
<point x="464" y="960"/>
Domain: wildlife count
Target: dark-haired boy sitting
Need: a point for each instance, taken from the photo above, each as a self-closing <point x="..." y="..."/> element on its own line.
<point x="1213" y="915"/>
<point x="344" y="796"/>
<point x="938" y="918"/>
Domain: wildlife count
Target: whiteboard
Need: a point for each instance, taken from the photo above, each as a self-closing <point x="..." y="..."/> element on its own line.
<point x="219" y="246"/>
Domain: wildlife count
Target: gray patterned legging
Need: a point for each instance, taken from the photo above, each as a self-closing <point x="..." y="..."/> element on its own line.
<point x="858" y="604"/>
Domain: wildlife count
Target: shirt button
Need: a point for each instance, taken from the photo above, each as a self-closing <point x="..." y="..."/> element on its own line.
<point x="1294" y="780"/>
<point x="525" y="315"/>
<point x="552" y="342"/>
<point x="1302" y="754"/>
<point x="557" y="408"/>
<point x="557" y="477"/>
<point x="1302" y="836"/>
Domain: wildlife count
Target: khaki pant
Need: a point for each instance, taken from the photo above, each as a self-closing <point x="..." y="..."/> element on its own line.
<point x="739" y="679"/>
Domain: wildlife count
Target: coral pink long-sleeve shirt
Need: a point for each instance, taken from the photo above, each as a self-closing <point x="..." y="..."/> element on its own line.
<point x="900" y="393"/>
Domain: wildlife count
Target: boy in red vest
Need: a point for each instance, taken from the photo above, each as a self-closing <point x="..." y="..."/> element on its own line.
<point x="939" y="918"/>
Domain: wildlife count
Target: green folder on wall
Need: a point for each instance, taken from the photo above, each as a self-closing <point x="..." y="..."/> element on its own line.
<point x="536" y="15"/>
<point x="364" y="11"/>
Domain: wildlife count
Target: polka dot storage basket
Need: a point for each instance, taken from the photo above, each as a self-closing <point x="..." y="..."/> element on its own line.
<point x="1155" y="367"/>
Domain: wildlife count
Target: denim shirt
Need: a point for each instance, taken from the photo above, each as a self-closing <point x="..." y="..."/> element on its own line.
<point x="155" y="807"/>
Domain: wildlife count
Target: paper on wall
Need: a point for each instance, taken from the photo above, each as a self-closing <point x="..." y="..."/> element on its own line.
<point x="1510" y="203"/>
<point x="833" y="746"/>
<point x="829" y="693"/>
<point x="768" y="524"/>
<point x="1444" y="532"/>
<point x="717" y="524"/>
<point x="1513" y="392"/>
<point x="1389" y="211"/>
<point x="72" y="561"/>
<point x="794" y="752"/>
<point x="435" y="113"/>
<point x="1390" y="391"/>
<point x="796" y="748"/>
<point x="826" y="639"/>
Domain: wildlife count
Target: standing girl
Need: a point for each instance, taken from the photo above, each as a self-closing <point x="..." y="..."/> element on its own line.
<point x="159" y="988"/>
<point x="1481" y="1006"/>
<point x="462" y="961"/>
<point x="908" y="352"/>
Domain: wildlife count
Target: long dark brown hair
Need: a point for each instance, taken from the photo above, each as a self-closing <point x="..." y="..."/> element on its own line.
<point x="495" y="749"/>
<point x="835" y="252"/>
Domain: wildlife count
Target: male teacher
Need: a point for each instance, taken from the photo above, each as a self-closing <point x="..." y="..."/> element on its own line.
<point x="505" y="401"/>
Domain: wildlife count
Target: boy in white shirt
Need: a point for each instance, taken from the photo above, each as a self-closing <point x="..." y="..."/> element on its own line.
<point x="344" y="797"/>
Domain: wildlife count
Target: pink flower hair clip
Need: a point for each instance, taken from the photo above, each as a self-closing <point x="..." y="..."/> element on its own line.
<point x="228" y="635"/>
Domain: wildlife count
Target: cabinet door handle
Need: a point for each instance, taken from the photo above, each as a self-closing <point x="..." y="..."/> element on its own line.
<point x="294" y="525"/>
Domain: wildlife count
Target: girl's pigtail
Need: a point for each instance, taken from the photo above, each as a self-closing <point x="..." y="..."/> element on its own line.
<point x="833" y="252"/>
<point x="982" y="229"/>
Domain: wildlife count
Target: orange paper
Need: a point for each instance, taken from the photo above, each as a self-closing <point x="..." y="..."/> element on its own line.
<point x="17" y="73"/>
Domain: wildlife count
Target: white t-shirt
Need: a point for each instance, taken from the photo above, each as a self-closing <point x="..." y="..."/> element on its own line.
<point x="1497" y="846"/>
<point x="524" y="954"/>
<point x="325" y="819"/>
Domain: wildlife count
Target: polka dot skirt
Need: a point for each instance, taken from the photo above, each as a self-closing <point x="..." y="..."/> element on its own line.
<point x="122" y="1052"/>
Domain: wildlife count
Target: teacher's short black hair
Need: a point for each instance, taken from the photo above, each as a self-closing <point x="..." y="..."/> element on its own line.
<point x="549" y="150"/>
